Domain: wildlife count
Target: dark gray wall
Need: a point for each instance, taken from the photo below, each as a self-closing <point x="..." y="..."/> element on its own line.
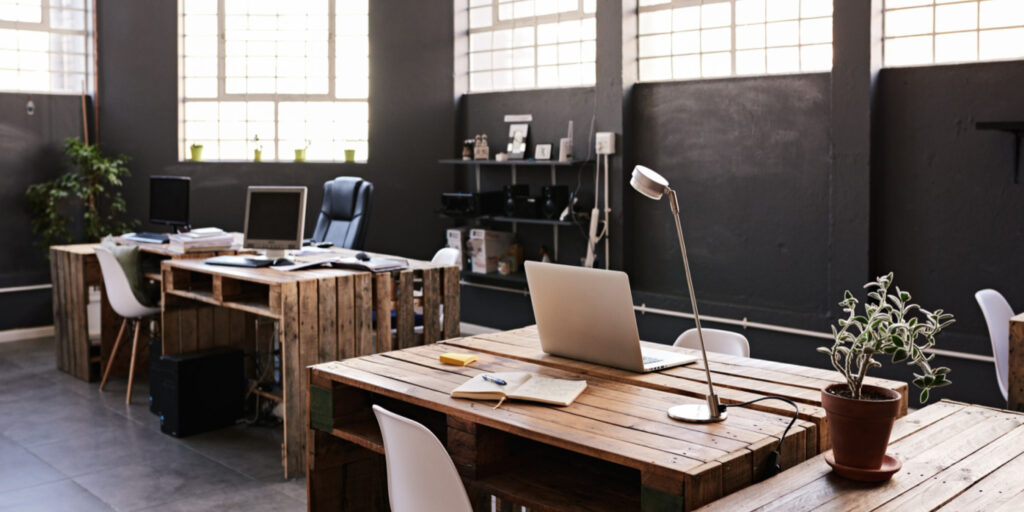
<point x="411" y="122"/>
<point x="750" y="161"/>
<point x="31" y="151"/>
<point x="948" y="219"/>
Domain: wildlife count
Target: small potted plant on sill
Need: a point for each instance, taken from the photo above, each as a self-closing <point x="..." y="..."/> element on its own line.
<point x="197" y="152"/>
<point x="860" y="416"/>
<point x="257" y="152"/>
<point x="300" y="154"/>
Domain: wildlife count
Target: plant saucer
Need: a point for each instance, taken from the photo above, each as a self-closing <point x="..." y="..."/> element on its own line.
<point x="890" y="465"/>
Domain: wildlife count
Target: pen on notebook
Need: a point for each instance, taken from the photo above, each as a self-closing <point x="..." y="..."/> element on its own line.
<point x="494" y="380"/>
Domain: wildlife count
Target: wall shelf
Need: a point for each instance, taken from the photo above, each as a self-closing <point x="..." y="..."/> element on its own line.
<point x="509" y="220"/>
<point x="515" y="280"/>
<point x="513" y="163"/>
<point x="1013" y="127"/>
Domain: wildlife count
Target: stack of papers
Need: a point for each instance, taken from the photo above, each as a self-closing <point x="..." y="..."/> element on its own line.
<point x="202" y="240"/>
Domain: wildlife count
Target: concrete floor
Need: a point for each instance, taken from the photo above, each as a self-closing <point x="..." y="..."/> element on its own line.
<point x="64" y="445"/>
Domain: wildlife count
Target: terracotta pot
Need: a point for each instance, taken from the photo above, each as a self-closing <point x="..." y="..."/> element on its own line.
<point x="860" y="428"/>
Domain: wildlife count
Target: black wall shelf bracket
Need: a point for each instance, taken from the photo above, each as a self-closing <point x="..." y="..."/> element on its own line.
<point x="1017" y="129"/>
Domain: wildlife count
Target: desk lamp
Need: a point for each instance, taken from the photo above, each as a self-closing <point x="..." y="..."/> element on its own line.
<point x="653" y="185"/>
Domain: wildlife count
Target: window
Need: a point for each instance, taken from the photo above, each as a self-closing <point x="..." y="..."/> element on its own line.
<point x="46" y="46"/>
<point x="294" y="74"/>
<point x="943" y="31"/>
<point x="528" y="44"/>
<point x="689" y="39"/>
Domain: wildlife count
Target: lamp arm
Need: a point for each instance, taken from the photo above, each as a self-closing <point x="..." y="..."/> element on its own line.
<point x="712" y="398"/>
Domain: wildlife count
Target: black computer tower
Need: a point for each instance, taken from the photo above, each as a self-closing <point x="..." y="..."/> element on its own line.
<point x="155" y="371"/>
<point x="199" y="391"/>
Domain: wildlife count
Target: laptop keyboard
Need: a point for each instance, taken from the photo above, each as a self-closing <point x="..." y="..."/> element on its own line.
<point x="651" y="360"/>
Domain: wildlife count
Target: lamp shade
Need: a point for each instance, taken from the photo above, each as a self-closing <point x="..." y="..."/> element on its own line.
<point x="648" y="182"/>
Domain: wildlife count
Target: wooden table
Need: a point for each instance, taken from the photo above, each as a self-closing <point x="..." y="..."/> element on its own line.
<point x="316" y="314"/>
<point x="1015" y="393"/>
<point x="955" y="457"/>
<point x="73" y="269"/>
<point x="614" y="448"/>
<point x="736" y="379"/>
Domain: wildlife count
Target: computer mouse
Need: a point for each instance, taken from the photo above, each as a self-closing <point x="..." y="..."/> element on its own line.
<point x="324" y="245"/>
<point x="282" y="261"/>
<point x="362" y="256"/>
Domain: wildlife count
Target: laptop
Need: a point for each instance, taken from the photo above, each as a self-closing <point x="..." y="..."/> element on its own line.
<point x="587" y="314"/>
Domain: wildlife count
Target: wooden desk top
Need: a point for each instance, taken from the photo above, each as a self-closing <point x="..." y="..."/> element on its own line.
<point x="611" y="421"/>
<point x="736" y="379"/>
<point x="273" y="276"/>
<point x="955" y="457"/>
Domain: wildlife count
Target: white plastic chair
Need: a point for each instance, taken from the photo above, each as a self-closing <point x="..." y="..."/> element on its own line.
<point x="997" y="315"/>
<point x="421" y="475"/>
<point x="447" y="256"/>
<point x="124" y="303"/>
<point x="715" y="340"/>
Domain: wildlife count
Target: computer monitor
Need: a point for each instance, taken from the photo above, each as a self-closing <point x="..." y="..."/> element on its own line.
<point x="168" y="200"/>
<point x="275" y="219"/>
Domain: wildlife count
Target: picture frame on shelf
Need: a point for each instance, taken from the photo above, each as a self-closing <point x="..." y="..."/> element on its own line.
<point x="542" y="152"/>
<point x="517" y="137"/>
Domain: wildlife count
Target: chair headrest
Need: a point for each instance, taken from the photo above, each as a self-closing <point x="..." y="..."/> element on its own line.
<point x="340" y="197"/>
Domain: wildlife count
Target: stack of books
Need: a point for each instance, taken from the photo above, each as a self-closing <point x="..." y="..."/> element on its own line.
<point x="202" y="240"/>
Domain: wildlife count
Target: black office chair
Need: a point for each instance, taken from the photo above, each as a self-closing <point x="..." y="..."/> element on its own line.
<point x="344" y="213"/>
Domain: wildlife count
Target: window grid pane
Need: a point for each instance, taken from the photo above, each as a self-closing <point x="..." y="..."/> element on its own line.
<point x="529" y="44"/>
<point x="294" y="74"/>
<point x="923" y="32"/>
<point x="693" y="39"/>
<point x="46" y="46"/>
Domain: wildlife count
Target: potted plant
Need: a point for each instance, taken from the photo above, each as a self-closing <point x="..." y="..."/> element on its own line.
<point x="860" y="416"/>
<point x="93" y="185"/>
<point x="257" y="152"/>
<point x="300" y="154"/>
<point x="197" y="152"/>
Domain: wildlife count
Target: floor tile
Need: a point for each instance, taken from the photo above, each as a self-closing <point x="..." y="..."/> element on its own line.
<point x="250" y="497"/>
<point x="62" y="496"/>
<point x="19" y="468"/>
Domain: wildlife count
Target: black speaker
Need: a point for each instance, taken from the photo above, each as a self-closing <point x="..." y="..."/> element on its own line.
<point x="515" y="199"/>
<point x="457" y="203"/>
<point x="199" y="391"/>
<point x="556" y="198"/>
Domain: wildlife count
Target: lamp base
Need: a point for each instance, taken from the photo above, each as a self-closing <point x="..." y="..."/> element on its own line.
<point x="695" y="413"/>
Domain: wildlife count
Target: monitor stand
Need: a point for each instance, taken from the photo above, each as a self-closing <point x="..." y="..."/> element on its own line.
<point x="274" y="254"/>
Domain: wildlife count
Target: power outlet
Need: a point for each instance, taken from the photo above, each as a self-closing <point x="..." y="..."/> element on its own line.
<point x="605" y="143"/>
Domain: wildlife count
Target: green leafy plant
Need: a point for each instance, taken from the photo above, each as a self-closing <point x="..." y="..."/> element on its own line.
<point x="890" y="326"/>
<point x="94" y="184"/>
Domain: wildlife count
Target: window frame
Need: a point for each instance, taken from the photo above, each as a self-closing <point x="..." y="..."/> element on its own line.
<point x="43" y="26"/>
<point x="277" y="99"/>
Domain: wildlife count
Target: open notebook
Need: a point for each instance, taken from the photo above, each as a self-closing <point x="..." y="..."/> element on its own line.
<point x="521" y="386"/>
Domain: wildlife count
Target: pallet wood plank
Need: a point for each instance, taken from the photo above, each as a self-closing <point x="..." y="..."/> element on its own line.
<point x="346" y="317"/>
<point x="451" y="302"/>
<point x="382" y="301"/>
<point x="327" y="305"/>
<point x="205" y="336"/>
<point x="431" y="305"/>
<point x="363" y="292"/>
<point x="1015" y="391"/>
<point x="293" y="381"/>
<point x="404" y="310"/>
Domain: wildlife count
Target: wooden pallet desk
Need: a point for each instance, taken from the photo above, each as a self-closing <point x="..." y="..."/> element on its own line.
<point x="317" y="315"/>
<point x="955" y="457"/>
<point x="612" y="449"/>
<point x="73" y="269"/>
<point x="736" y="379"/>
<point x="1015" y="398"/>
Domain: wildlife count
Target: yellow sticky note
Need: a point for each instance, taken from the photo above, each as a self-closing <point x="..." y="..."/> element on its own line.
<point x="458" y="359"/>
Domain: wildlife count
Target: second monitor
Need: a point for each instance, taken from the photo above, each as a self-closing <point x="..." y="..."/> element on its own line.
<point x="275" y="219"/>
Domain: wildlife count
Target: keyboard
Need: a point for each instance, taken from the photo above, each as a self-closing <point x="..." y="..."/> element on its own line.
<point x="149" y="238"/>
<point x="650" y="360"/>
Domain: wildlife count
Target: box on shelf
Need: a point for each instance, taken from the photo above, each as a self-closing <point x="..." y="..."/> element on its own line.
<point x="487" y="247"/>
<point x="457" y="240"/>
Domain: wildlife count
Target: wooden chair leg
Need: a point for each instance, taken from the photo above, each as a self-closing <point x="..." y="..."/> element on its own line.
<point x="131" y="367"/>
<point x="113" y="354"/>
